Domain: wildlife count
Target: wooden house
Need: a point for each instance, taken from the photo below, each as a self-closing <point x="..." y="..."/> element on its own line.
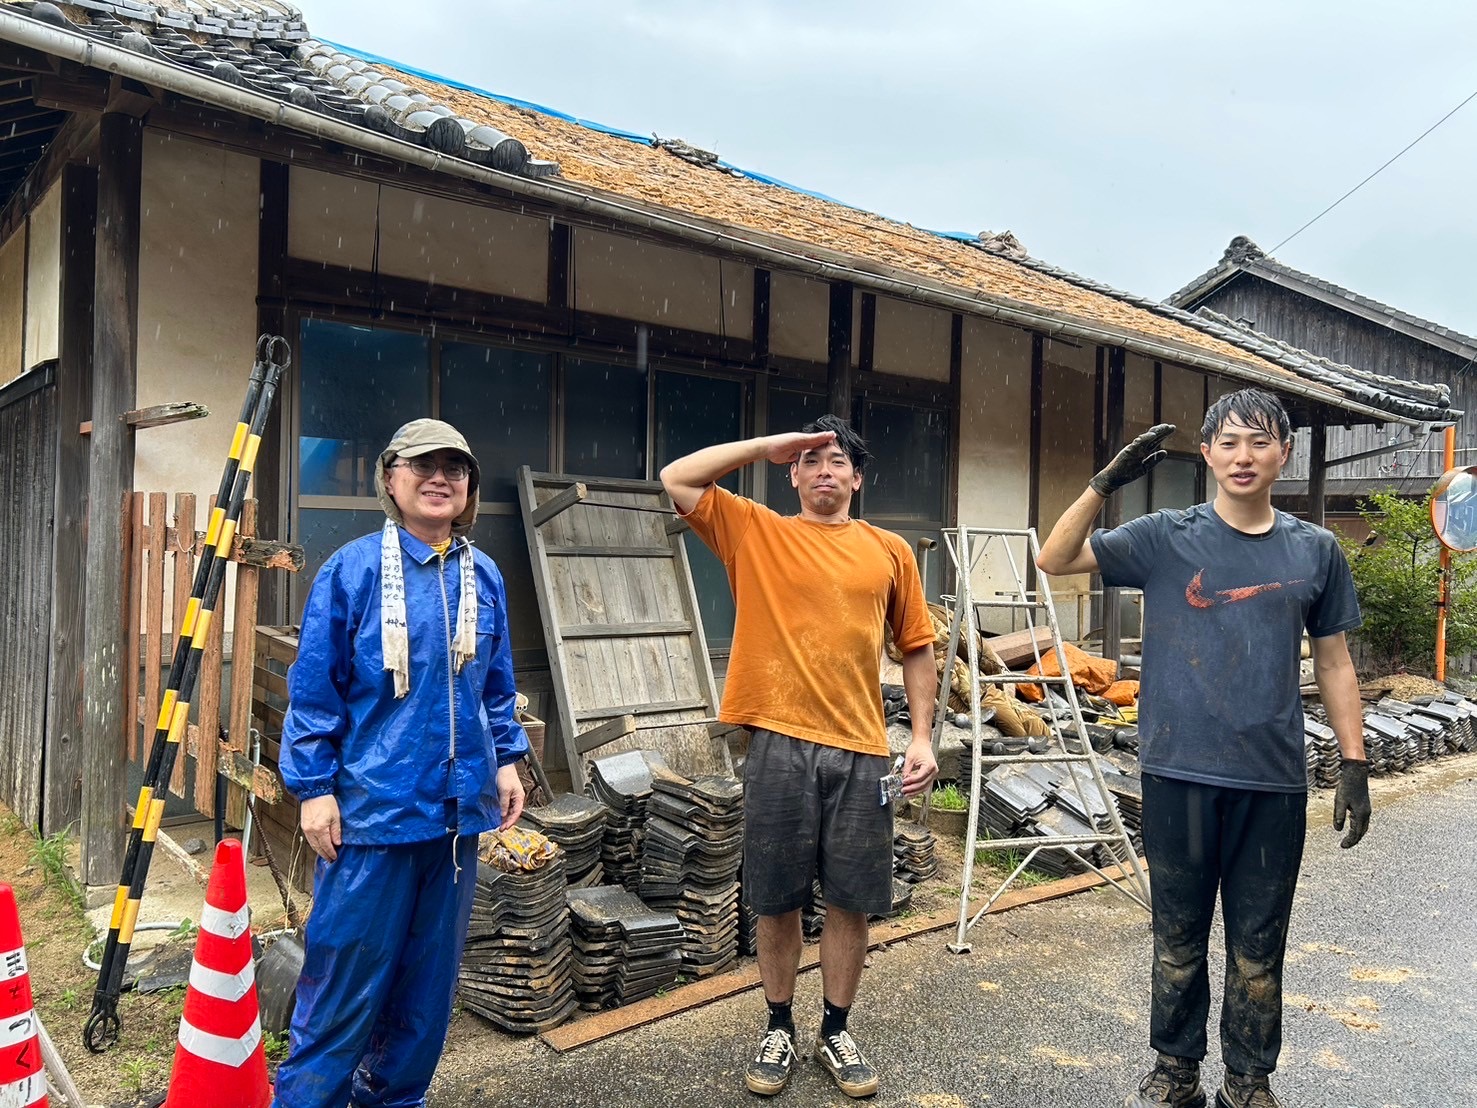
<point x="1341" y="328"/>
<point x="179" y="177"/>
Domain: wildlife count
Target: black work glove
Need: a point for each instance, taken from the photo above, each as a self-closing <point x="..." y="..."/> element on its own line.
<point x="1133" y="461"/>
<point x="1352" y="800"/>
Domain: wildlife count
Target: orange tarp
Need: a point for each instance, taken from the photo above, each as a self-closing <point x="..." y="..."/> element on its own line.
<point x="1094" y="675"/>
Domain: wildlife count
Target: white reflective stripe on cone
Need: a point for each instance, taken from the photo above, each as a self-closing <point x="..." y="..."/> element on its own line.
<point x="219" y="1048"/>
<point x="19" y="1028"/>
<point x="29" y="1090"/>
<point x="223" y="924"/>
<point x="221" y="986"/>
<point x="13" y="964"/>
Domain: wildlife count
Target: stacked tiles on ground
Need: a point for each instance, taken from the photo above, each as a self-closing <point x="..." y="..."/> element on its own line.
<point x="622" y="782"/>
<point x="624" y="951"/>
<point x="1121" y="776"/>
<point x="1025" y="800"/>
<point x="690" y="858"/>
<point x="914" y="853"/>
<point x="577" y="824"/>
<point x="1399" y="735"/>
<point x="517" y="967"/>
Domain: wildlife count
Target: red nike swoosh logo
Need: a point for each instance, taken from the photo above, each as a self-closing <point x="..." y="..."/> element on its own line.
<point x="1195" y="593"/>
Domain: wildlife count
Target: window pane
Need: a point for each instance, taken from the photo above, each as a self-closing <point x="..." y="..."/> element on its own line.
<point x="604" y="419"/>
<point x="501" y="539"/>
<point x="1173" y="483"/>
<point x="321" y="531"/>
<point x="908" y="469"/>
<point x="359" y="384"/>
<point x="789" y="410"/>
<point x="499" y="399"/>
<point x="693" y="412"/>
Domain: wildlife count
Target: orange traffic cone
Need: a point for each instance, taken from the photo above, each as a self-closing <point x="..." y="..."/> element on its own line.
<point x="22" y="1077"/>
<point x="220" y="1061"/>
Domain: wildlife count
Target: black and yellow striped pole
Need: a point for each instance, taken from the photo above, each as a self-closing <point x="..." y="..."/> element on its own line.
<point x="272" y="359"/>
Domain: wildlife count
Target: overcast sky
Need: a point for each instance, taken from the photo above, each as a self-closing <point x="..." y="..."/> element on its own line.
<point x="1127" y="141"/>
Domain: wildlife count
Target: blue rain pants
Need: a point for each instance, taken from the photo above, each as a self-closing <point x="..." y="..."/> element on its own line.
<point x="374" y="999"/>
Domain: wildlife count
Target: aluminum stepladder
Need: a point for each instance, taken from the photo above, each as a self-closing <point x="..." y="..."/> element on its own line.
<point x="966" y="545"/>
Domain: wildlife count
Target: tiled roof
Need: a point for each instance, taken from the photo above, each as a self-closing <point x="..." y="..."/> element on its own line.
<point x="1409" y="398"/>
<point x="264" y="46"/>
<point x="1245" y="256"/>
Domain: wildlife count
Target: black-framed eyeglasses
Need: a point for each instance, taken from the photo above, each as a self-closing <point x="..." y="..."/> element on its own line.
<point x="427" y="467"/>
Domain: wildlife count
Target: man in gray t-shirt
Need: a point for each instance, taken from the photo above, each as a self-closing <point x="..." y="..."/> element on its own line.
<point x="1230" y="587"/>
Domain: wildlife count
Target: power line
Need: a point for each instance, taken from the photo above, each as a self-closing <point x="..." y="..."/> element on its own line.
<point x="1375" y="174"/>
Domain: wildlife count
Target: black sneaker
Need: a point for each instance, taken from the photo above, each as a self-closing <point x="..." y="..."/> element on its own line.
<point x="769" y="1072"/>
<point x="843" y="1060"/>
<point x="1239" y="1091"/>
<point x="1172" y="1083"/>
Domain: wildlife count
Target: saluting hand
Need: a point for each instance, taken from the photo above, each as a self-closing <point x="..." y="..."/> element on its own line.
<point x="1133" y="461"/>
<point x="787" y="448"/>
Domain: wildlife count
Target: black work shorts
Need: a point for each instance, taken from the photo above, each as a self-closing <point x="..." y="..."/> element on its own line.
<point x="815" y="811"/>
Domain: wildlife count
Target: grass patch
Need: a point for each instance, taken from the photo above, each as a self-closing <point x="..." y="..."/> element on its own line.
<point x="1005" y="861"/>
<point x="49" y="854"/>
<point x="948" y="798"/>
<point x="275" y="1046"/>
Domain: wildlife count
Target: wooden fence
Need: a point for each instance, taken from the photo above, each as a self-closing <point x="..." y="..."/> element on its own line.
<point x="164" y="548"/>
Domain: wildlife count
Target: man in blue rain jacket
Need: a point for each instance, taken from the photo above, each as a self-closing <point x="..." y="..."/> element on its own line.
<point x="400" y="743"/>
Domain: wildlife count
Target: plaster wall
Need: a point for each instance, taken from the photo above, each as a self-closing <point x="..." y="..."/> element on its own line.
<point x="197" y="309"/>
<point x="12" y="305"/>
<point x="799" y="317"/>
<point x="1138" y="396"/>
<point x="616" y="275"/>
<point x="1066" y="464"/>
<point x="43" y="279"/>
<point x="994" y="449"/>
<point x="911" y="340"/>
<point x="335" y="220"/>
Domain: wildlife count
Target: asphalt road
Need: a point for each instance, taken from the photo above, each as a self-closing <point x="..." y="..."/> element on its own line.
<point x="1050" y="1009"/>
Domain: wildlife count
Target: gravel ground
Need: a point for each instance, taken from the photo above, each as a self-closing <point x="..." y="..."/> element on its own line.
<point x="1050" y="1009"/>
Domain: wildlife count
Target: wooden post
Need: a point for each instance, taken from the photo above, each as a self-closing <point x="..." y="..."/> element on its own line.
<point x="106" y="723"/>
<point x="1033" y="472"/>
<point x="838" y="347"/>
<point x="1317" y="469"/>
<point x="1113" y="405"/>
<point x="61" y="785"/>
<point x="1443" y="599"/>
<point x="271" y="319"/>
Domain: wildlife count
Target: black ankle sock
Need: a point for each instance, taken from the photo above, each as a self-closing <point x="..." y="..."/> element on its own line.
<point x="780" y="1016"/>
<point x="833" y="1018"/>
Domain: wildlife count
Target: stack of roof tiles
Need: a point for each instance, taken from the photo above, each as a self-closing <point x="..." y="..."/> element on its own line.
<point x="622" y="782"/>
<point x="690" y="859"/>
<point x="1024" y="800"/>
<point x="624" y="951"/>
<point x="517" y="966"/>
<point x="577" y="824"/>
<point x="1399" y="735"/>
<point x="914" y="855"/>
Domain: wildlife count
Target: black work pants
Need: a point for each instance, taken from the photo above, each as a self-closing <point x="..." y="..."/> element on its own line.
<point x="1246" y="845"/>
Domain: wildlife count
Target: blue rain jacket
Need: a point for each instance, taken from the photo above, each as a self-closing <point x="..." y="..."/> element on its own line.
<point x="387" y="761"/>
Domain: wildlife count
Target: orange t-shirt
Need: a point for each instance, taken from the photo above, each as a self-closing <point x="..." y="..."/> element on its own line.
<point x="811" y="600"/>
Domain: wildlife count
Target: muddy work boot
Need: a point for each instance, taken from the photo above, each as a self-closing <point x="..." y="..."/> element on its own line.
<point x="1172" y="1083"/>
<point x="1242" y="1091"/>
<point x="770" y="1070"/>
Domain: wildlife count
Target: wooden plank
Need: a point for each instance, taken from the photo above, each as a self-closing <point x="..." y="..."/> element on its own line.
<point x="650" y="708"/>
<point x="61" y="799"/>
<point x="208" y="696"/>
<point x="110" y="478"/>
<point x="1015" y="649"/>
<point x="162" y="414"/>
<point x="610" y="552"/>
<point x="276" y="644"/>
<point x="269" y="682"/>
<point x="1113" y="440"/>
<point x="558" y="503"/>
<point x="620" y="631"/>
<point x="154" y="633"/>
<point x="137" y="537"/>
<point x="243" y="640"/>
<point x="583" y="1032"/>
<point x="607" y="732"/>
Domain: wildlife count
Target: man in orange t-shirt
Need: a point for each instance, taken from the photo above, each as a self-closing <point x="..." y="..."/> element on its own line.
<point x="813" y="594"/>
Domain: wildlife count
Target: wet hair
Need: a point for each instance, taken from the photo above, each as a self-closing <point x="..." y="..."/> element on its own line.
<point x="851" y="443"/>
<point x="1254" y="408"/>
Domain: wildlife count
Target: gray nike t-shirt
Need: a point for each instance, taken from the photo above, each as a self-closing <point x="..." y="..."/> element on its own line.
<point x="1224" y="615"/>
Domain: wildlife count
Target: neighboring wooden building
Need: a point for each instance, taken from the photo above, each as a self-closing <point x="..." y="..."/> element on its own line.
<point x="1345" y="329"/>
<point x="176" y="179"/>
